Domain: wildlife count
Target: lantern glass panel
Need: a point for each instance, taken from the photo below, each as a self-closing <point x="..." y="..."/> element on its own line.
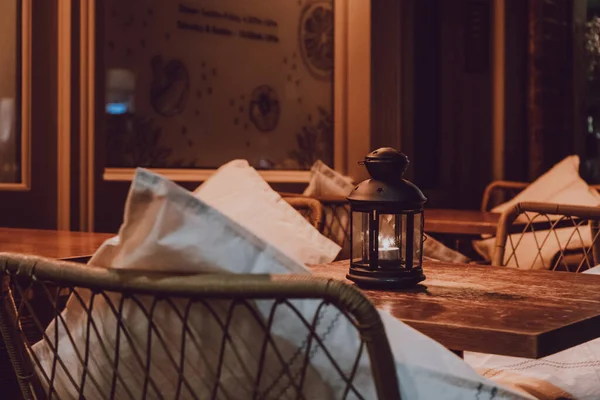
<point x="360" y="237"/>
<point x="392" y="239"/>
<point x="418" y="239"/>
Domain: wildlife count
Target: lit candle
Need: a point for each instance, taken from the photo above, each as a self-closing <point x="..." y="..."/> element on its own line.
<point x="388" y="251"/>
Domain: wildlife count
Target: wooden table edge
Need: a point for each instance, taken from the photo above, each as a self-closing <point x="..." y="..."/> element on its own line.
<point x="457" y="342"/>
<point x="526" y="344"/>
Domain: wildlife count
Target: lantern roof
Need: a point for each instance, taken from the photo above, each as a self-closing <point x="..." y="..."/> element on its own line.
<point x="386" y="167"/>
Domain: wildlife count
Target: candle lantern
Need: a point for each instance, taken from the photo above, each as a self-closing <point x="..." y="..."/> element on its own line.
<point x="386" y="225"/>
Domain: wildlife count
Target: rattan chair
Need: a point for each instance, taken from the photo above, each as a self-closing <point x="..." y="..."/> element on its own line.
<point x="498" y="192"/>
<point x="219" y="298"/>
<point x="554" y="237"/>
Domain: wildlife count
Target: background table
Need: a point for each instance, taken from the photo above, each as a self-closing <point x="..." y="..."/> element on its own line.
<point x="473" y="223"/>
<point x="461" y="222"/>
<point x="51" y="244"/>
<point x="495" y="310"/>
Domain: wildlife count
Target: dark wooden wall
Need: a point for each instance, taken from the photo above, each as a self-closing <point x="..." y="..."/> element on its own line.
<point x="545" y="108"/>
<point x="516" y="164"/>
<point x="445" y="106"/>
<point x="437" y="107"/>
<point x="466" y="117"/>
<point x="550" y="84"/>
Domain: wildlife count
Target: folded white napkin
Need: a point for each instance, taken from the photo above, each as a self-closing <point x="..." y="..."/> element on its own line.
<point x="166" y="228"/>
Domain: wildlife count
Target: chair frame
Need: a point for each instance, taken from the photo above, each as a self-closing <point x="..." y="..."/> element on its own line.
<point x="511" y="214"/>
<point x="207" y="286"/>
<point x="499" y="186"/>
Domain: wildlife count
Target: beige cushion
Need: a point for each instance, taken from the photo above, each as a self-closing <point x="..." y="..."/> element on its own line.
<point x="527" y="256"/>
<point x="562" y="185"/>
<point x="238" y="191"/>
<point x="325" y="181"/>
<point x="437" y="251"/>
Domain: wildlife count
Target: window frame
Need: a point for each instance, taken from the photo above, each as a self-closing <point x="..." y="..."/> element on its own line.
<point x="351" y="98"/>
<point x="23" y="96"/>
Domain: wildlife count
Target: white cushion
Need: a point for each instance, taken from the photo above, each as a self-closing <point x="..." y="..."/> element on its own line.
<point x="437" y="251"/>
<point x="325" y="181"/>
<point x="526" y="254"/>
<point x="238" y="191"/>
<point x="593" y="271"/>
<point x="168" y="229"/>
<point x="562" y="185"/>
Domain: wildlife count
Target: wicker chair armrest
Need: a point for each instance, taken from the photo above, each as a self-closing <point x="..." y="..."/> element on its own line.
<point x="509" y="216"/>
<point x="193" y="286"/>
<point x="499" y="187"/>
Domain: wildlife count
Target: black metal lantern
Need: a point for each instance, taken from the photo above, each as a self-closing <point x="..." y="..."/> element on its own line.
<point x="386" y="225"/>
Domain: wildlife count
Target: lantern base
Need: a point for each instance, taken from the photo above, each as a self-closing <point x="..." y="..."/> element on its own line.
<point x="386" y="279"/>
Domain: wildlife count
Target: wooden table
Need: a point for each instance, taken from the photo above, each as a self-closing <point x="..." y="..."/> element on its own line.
<point x="461" y="222"/>
<point x="464" y="307"/>
<point x="474" y="223"/>
<point x="51" y="244"/>
<point x="494" y="309"/>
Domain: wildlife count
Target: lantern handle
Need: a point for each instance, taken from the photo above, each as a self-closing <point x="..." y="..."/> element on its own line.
<point x="386" y="164"/>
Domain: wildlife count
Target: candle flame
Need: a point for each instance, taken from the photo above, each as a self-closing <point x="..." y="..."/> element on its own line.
<point x="386" y="243"/>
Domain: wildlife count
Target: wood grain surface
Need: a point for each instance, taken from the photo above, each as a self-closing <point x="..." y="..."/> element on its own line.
<point x="494" y="309"/>
<point x="461" y="222"/>
<point x="51" y="244"/>
<point x="465" y="307"/>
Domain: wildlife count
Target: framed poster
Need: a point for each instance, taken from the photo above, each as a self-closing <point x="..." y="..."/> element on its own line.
<point x="15" y="78"/>
<point x="188" y="86"/>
